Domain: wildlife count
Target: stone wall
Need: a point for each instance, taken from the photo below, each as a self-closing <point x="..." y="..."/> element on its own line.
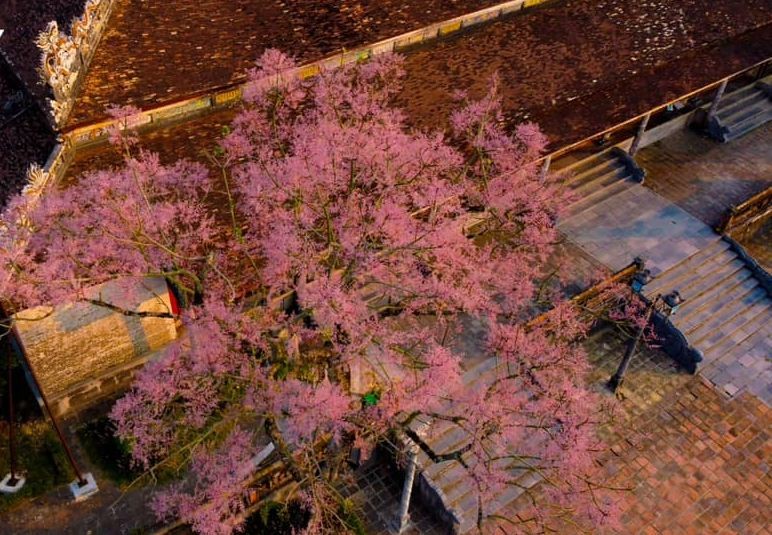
<point x="76" y="344"/>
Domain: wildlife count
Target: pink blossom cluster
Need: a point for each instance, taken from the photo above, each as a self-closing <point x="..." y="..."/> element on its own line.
<point x="387" y="237"/>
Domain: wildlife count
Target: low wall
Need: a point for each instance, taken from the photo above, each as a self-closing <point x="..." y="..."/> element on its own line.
<point x="80" y="398"/>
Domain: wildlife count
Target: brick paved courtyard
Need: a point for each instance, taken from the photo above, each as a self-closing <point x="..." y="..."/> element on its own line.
<point x="694" y="461"/>
<point x="705" y="178"/>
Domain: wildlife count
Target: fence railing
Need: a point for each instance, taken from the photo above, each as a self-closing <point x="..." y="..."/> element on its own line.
<point x="594" y="299"/>
<point x="752" y="212"/>
<point x="641" y="116"/>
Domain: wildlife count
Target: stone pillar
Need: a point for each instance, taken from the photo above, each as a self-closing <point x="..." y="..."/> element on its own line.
<point x="717" y="100"/>
<point x="403" y="516"/>
<point x="639" y="135"/>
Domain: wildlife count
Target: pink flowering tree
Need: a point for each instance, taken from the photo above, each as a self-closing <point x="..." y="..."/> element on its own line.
<point x="387" y="243"/>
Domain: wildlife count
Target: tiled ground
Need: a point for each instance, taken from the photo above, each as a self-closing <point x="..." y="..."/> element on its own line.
<point x="637" y="222"/>
<point x="377" y="492"/>
<point x="706" y="178"/>
<point x="696" y="463"/>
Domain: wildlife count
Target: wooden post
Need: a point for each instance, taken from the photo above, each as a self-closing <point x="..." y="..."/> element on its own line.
<point x="716" y="100"/>
<point x="545" y="168"/>
<point x="16" y="339"/>
<point x="639" y="135"/>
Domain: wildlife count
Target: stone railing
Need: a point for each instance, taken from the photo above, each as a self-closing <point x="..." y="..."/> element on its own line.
<point x="65" y="58"/>
<point x="746" y="216"/>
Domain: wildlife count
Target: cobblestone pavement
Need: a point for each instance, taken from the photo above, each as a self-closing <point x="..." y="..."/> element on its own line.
<point x="158" y="52"/>
<point x="376" y="493"/>
<point x="577" y="67"/>
<point x="694" y="461"/>
<point x="706" y="178"/>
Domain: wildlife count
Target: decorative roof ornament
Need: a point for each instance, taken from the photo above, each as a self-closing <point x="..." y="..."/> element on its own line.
<point x="37" y="178"/>
<point x="65" y="57"/>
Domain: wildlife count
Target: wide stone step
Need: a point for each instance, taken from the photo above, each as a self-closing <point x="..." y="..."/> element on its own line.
<point x="459" y="493"/>
<point x="467" y="507"/>
<point x="726" y="321"/>
<point x="730" y="332"/>
<point x="668" y="280"/>
<point x="583" y="164"/>
<point x="693" y="288"/>
<point x="692" y="285"/>
<point x="610" y="175"/>
<point x="444" y="436"/>
<point x="507" y="497"/>
<point x="709" y="310"/>
<point x="749" y="99"/>
<point x="746" y="126"/>
<point x="752" y="109"/>
<point x="599" y="196"/>
<point x="739" y="283"/>
<point x="752" y="349"/>
<point x="601" y="167"/>
<point x="742" y="337"/>
<point x="730" y="99"/>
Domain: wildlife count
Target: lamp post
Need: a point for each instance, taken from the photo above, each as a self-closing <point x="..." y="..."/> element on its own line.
<point x="402" y="521"/>
<point x="673" y="301"/>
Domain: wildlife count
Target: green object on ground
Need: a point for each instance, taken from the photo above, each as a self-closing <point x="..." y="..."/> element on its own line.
<point x="371" y="398"/>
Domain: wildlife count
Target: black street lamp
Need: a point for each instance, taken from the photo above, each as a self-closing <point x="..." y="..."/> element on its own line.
<point x="673" y="301"/>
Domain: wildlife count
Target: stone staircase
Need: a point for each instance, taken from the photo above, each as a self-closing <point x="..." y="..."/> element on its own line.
<point x="595" y="177"/>
<point x="743" y="111"/>
<point x="446" y="485"/>
<point x="727" y="316"/>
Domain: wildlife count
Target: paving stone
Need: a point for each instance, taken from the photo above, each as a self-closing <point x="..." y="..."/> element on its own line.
<point x="705" y="178"/>
<point x="695" y="449"/>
